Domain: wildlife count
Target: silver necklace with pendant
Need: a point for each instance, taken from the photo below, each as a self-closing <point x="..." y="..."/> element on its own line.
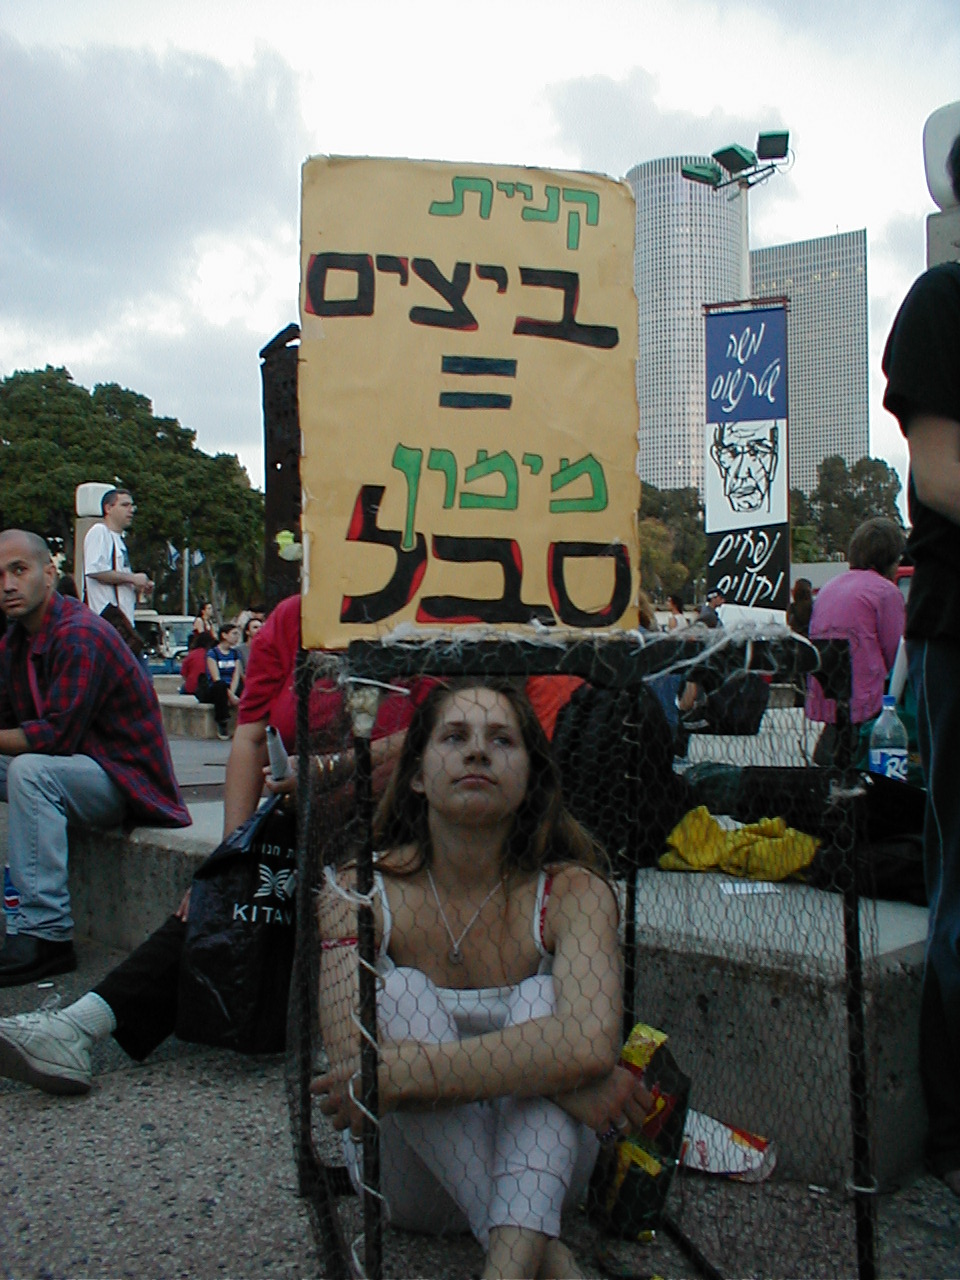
<point x="455" y="954"/>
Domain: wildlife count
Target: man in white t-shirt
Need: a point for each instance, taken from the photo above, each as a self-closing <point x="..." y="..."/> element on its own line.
<point x="106" y="561"/>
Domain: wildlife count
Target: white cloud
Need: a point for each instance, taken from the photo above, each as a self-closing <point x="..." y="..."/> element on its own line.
<point x="151" y="153"/>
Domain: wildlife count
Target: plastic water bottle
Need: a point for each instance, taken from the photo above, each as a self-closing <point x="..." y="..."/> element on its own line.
<point x="11" y="894"/>
<point x="888" y="743"/>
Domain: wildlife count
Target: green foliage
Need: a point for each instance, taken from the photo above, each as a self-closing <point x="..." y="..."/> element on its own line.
<point x="673" y="546"/>
<point x="55" y="435"/>
<point x="844" y="498"/>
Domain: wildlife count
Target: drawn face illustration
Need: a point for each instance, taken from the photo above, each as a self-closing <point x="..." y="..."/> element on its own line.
<point x="746" y="454"/>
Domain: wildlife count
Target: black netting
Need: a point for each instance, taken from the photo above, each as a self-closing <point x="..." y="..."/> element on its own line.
<point x="749" y="928"/>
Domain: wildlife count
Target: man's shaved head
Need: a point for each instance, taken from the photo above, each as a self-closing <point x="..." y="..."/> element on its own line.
<point x="27" y="575"/>
<point x="37" y="546"/>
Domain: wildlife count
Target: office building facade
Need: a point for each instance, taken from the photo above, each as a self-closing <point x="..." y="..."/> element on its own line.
<point x="687" y="252"/>
<point x="825" y="281"/>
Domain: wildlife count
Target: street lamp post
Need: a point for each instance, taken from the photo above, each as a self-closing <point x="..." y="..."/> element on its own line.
<point x="736" y="165"/>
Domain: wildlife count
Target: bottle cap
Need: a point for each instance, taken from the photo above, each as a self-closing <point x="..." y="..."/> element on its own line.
<point x="889" y="701"/>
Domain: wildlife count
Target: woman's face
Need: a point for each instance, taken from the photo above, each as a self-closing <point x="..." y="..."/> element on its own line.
<point x="206" y="613"/>
<point x="475" y="765"/>
<point x="253" y="626"/>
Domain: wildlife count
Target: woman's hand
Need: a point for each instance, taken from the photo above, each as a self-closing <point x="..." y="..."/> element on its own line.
<point x="618" y="1101"/>
<point x="285" y="787"/>
<point x="336" y="1102"/>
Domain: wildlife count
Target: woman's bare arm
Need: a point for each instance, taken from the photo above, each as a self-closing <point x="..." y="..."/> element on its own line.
<point x="244" y="777"/>
<point x="546" y="1056"/>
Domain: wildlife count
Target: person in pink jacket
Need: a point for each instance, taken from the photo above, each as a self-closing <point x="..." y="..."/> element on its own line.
<point x="864" y="606"/>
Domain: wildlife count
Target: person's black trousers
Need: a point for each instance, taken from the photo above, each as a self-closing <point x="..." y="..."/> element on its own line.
<point x="142" y="991"/>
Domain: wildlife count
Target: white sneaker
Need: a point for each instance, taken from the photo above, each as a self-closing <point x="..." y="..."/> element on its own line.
<point x="46" y="1049"/>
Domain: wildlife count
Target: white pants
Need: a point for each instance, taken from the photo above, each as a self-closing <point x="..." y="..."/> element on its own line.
<point x="509" y="1162"/>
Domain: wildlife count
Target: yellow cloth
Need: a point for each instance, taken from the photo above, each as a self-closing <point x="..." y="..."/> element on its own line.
<point x="764" y="850"/>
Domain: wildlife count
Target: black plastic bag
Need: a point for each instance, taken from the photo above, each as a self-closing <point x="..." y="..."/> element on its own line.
<point x="238" y="950"/>
<point x="120" y="622"/>
<point x="737" y="707"/>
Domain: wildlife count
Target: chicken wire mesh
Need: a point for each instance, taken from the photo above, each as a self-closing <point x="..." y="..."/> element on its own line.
<point x="747" y="935"/>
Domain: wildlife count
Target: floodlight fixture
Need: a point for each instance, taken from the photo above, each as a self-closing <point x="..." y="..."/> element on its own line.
<point x="737" y="166"/>
<point x="735" y="159"/>
<point x="773" y="146"/>
<point x="708" y="173"/>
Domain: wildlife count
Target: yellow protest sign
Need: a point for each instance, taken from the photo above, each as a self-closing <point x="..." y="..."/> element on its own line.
<point x="467" y="398"/>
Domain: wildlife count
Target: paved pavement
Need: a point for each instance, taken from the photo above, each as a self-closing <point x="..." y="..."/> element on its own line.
<point x="182" y="1167"/>
<point x="200" y="765"/>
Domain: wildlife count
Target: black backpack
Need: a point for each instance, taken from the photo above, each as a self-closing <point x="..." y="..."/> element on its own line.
<point x="614" y="749"/>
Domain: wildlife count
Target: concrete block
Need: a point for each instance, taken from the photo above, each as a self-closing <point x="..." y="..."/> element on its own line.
<point x="185" y="717"/>
<point x="124" y="884"/>
<point x="167" y="685"/>
<point x="750" y="988"/>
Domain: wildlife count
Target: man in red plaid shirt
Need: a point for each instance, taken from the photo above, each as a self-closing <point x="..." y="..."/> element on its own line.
<point x="81" y="740"/>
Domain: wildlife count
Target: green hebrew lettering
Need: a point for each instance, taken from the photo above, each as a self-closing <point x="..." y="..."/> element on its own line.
<point x="567" y="473"/>
<point x="407" y="462"/>
<point x="453" y="208"/>
<point x="591" y="202"/>
<point x="486" y="466"/>
<point x="508" y="188"/>
<point x="525" y="190"/>
<point x="534" y="462"/>
<point x="443" y="460"/>
<point x="549" y="213"/>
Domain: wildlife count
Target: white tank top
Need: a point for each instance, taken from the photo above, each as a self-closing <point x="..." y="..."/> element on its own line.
<point x="473" y="1009"/>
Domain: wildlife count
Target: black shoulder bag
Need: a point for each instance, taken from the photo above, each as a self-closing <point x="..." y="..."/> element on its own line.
<point x="239" y="942"/>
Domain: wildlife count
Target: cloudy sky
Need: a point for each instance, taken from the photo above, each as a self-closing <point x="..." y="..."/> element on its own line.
<point x="150" y="153"/>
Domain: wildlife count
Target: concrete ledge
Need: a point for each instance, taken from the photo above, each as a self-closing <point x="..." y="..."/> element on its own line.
<point x="167" y="684"/>
<point x="124" y="884"/>
<point x="185" y="717"/>
<point x="750" y="987"/>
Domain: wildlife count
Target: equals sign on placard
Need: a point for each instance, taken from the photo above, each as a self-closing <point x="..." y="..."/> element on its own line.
<point x="477" y="367"/>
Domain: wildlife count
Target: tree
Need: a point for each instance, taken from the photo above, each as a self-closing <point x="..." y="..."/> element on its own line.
<point x="680" y="513"/>
<point x="805" y="542"/>
<point x="843" y="498"/>
<point x="660" y="573"/>
<point x="55" y="435"/>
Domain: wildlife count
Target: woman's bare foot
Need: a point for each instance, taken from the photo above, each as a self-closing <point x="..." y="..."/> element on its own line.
<point x="558" y="1263"/>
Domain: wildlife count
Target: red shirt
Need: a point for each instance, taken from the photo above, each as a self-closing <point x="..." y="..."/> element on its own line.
<point x="549" y="695"/>
<point x="194" y="662"/>
<point x="269" y="692"/>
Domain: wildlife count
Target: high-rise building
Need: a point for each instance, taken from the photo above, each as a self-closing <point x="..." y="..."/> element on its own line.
<point x="687" y="252"/>
<point x="825" y="281"/>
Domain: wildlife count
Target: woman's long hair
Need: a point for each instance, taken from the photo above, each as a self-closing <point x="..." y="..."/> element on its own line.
<point x="543" y="831"/>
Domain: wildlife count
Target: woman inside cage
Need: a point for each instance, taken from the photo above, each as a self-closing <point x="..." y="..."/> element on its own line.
<point x="499" y="998"/>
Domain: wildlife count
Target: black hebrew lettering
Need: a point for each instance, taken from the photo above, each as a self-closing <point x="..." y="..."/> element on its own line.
<point x="504" y="552"/>
<point x="319" y="267"/>
<point x="751" y="566"/>
<point x="567" y="611"/>
<point x="459" y="316"/>
<point x="389" y="262"/>
<point x="407" y="575"/>
<point x="497" y="274"/>
<point x="566" y="329"/>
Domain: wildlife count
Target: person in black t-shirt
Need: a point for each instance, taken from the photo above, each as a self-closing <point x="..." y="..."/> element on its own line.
<point x="922" y="364"/>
